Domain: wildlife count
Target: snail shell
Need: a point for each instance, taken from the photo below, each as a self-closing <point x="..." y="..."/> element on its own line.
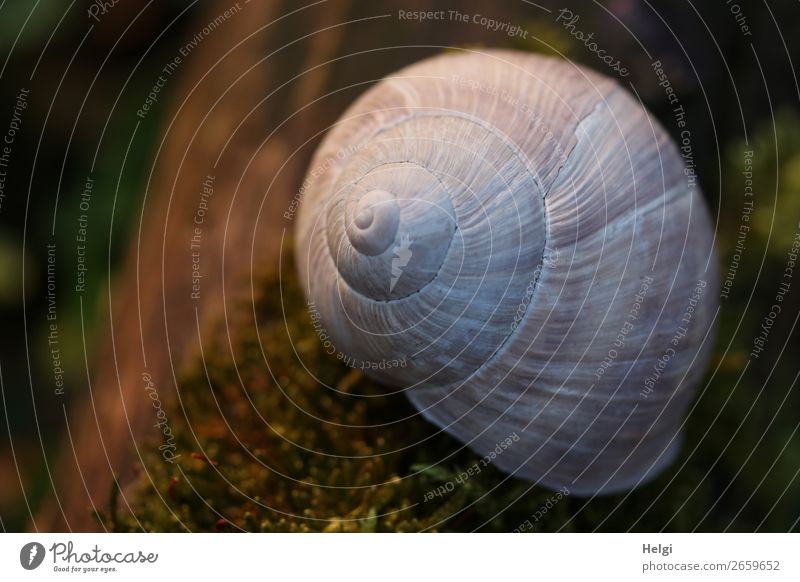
<point x="522" y="237"/>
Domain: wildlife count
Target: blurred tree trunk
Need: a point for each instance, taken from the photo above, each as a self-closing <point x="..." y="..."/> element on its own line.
<point x="153" y="324"/>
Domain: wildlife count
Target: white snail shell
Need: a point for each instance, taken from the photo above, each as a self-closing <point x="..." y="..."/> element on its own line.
<point x="521" y="236"/>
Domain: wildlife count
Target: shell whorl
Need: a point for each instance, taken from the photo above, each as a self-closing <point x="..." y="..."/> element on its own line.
<point x="489" y="219"/>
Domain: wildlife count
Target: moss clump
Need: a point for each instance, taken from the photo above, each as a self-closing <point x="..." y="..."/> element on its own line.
<point x="286" y="438"/>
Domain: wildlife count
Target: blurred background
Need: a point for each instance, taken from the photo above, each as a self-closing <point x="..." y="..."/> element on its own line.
<point x="115" y="112"/>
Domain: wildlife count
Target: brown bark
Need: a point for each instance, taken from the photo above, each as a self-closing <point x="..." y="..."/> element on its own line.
<point x="152" y="325"/>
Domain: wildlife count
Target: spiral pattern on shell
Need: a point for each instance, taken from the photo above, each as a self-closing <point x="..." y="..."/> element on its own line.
<point x="522" y="235"/>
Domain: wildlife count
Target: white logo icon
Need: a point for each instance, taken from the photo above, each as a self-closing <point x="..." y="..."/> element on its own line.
<point x="402" y="254"/>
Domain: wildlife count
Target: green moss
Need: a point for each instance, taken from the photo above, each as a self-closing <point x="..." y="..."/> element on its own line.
<point x="265" y="447"/>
